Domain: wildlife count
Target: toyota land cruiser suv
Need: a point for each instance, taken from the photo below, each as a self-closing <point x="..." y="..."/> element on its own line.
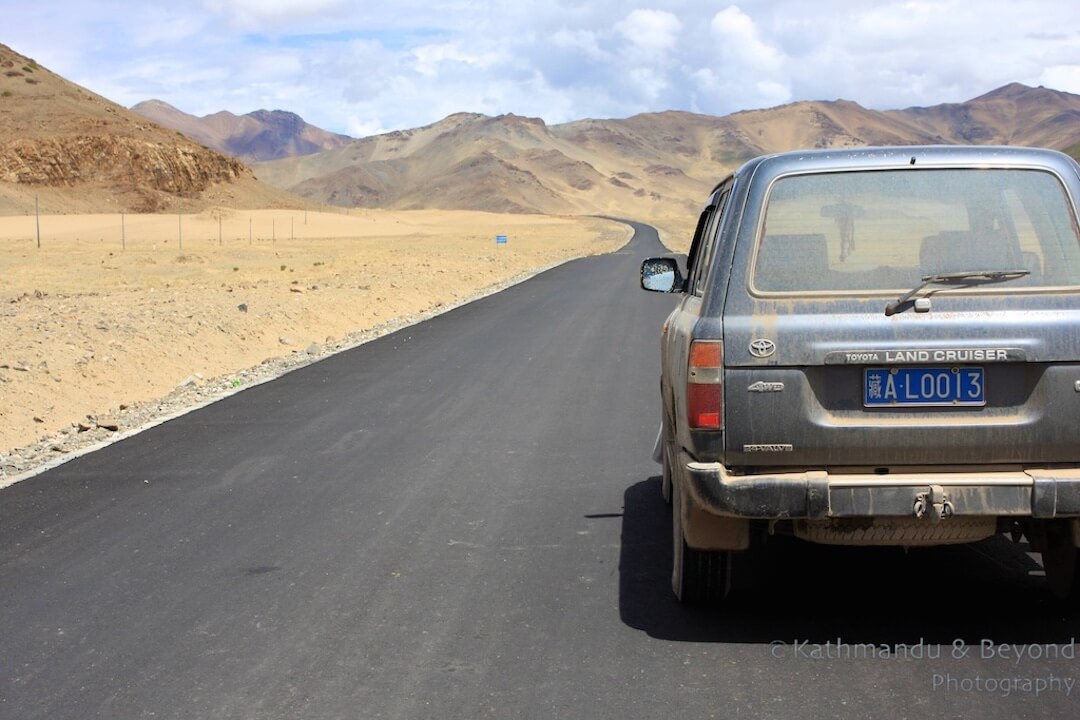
<point x="876" y="346"/>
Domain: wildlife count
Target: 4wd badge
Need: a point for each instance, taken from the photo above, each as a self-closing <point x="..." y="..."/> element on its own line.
<point x="762" y="347"/>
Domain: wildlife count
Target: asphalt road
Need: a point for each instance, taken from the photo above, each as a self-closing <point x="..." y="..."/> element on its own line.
<point x="462" y="520"/>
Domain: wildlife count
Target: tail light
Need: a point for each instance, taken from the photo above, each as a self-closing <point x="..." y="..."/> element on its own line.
<point x="705" y="385"/>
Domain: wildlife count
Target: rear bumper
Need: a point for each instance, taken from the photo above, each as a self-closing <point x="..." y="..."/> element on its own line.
<point x="1032" y="492"/>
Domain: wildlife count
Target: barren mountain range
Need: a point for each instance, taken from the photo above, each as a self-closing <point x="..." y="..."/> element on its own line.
<point x="655" y="167"/>
<point x="516" y="164"/>
<point x="259" y="135"/>
<point x="75" y="148"/>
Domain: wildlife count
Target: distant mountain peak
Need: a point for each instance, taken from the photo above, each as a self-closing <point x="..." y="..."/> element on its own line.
<point x="256" y="136"/>
<point x="1011" y="90"/>
<point x="152" y="103"/>
<point x="276" y="116"/>
<point x="512" y="118"/>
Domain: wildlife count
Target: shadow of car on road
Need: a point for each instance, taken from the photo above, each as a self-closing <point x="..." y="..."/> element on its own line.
<point x="799" y="591"/>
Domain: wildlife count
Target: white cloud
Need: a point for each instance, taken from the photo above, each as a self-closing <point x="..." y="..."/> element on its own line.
<point x="740" y="42"/>
<point x="166" y="28"/>
<point x="649" y="82"/>
<point x="652" y="33"/>
<point x="354" y="65"/>
<point x="429" y="58"/>
<point x="262" y="14"/>
<point x="749" y="72"/>
<point x="586" y="42"/>
<point x="362" y="127"/>
<point x="1060" y="76"/>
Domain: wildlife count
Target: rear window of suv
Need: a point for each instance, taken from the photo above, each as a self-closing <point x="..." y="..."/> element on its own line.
<point x="885" y="230"/>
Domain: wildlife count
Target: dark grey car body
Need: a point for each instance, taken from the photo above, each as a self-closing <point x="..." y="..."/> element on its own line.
<point x="900" y="339"/>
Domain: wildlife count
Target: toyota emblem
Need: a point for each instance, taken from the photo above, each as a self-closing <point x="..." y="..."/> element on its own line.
<point x="762" y="347"/>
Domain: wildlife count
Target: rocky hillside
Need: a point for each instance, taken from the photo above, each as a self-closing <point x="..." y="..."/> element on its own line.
<point x="259" y="135"/>
<point x="73" y="150"/>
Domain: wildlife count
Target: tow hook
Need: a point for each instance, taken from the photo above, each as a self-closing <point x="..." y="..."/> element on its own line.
<point x="933" y="505"/>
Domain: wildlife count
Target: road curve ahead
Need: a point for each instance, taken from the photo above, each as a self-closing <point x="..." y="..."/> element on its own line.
<point x="462" y="520"/>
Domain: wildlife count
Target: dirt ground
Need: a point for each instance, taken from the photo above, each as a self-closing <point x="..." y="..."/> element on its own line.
<point x="112" y="310"/>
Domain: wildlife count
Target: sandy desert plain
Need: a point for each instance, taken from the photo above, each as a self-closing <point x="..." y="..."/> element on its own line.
<point x="113" y="313"/>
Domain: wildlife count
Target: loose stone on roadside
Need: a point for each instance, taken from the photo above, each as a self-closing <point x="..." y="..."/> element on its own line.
<point x="108" y="423"/>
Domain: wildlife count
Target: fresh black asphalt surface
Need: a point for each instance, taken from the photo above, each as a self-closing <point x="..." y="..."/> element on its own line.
<point x="462" y="520"/>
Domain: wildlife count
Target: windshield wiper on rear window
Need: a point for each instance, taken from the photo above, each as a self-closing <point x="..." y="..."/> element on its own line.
<point x="953" y="277"/>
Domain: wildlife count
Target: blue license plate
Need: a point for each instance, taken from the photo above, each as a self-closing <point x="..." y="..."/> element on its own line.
<point x="924" y="387"/>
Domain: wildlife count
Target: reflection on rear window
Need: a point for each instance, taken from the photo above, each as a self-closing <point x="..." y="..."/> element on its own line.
<point x="885" y="230"/>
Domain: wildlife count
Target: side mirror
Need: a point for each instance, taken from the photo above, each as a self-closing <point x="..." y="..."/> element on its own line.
<point x="661" y="275"/>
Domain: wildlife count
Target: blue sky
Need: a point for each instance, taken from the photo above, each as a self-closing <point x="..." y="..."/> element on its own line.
<point x="362" y="67"/>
